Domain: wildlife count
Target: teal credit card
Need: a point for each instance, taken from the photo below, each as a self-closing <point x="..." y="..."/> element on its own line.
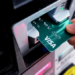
<point x="51" y="35"/>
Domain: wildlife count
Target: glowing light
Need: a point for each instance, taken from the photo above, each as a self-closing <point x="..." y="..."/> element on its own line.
<point x="36" y="41"/>
<point x="45" y="68"/>
<point x="62" y="8"/>
<point x="20" y="34"/>
<point x="27" y="40"/>
<point x="19" y="29"/>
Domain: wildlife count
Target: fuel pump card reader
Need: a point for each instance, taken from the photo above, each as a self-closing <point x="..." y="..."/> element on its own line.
<point x="51" y="34"/>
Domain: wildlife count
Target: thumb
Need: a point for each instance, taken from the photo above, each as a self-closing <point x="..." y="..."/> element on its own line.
<point x="71" y="28"/>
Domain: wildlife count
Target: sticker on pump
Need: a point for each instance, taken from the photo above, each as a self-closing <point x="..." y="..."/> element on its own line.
<point x="70" y="71"/>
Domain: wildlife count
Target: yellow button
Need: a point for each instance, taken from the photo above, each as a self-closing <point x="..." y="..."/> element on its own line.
<point x="70" y="71"/>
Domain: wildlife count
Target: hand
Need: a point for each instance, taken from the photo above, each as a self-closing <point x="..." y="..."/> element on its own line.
<point x="71" y="29"/>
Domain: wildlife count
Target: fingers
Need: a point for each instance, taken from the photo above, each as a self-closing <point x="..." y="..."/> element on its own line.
<point x="72" y="41"/>
<point x="73" y="21"/>
<point x="71" y="28"/>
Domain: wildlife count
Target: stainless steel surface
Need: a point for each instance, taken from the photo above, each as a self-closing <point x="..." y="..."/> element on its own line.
<point x="20" y="61"/>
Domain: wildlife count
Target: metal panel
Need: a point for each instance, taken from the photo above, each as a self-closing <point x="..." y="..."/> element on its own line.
<point x="33" y="70"/>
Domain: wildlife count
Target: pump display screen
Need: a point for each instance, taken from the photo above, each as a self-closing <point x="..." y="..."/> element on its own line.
<point x="40" y="3"/>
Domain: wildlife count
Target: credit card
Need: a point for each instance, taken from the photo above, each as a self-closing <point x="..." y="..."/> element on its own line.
<point x="51" y="35"/>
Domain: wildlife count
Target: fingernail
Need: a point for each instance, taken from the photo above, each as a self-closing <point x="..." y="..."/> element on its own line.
<point x="72" y="26"/>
